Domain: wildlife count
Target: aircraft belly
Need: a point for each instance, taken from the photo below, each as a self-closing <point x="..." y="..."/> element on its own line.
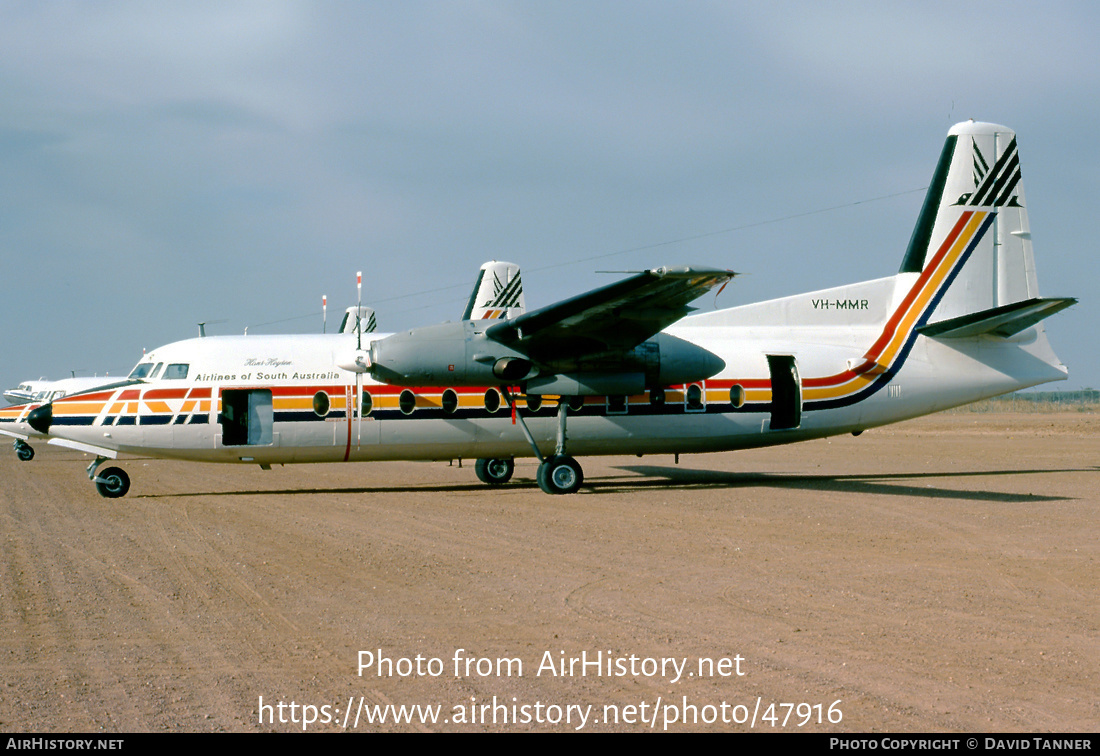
<point x="437" y="439"/>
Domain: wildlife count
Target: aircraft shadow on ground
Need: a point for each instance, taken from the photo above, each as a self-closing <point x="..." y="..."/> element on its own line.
<point x="680" y="478"/>
<point x="886" y="484"/>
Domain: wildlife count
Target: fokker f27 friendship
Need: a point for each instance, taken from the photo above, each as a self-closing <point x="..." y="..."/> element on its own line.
<point x="623" y="369"/>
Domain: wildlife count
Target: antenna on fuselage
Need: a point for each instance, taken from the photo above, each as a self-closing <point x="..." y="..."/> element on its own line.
<point x="324" y="313"/>
<point x="203" y="324"/>
<point x="359" y="311"/>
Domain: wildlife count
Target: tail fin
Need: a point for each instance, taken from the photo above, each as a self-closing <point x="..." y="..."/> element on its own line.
<point x="360" y="317"/>
<point x="972" y="240"/>
<point x="497" y="294"/>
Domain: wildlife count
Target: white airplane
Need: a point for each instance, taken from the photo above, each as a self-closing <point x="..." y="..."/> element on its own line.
<point x="629" y="371"/>
<point x="33" y="393"/>
<point x="44" y="390"/>
<point x="496" y="292"/>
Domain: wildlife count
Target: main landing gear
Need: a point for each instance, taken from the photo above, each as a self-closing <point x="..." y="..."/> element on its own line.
<point x="558" y="474"/>
<point x="112" y="483"/>
<point x="23" y="450"/>
<point x="495" y="472"/>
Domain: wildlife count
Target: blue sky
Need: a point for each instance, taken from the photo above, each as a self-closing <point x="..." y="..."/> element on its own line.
<point x="170" y="163"/>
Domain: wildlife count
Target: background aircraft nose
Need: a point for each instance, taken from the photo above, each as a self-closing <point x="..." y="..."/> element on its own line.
<point x="41" y="418"/>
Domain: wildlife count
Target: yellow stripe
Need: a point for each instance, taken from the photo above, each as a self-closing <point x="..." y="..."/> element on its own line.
<point x="905" y="327"/>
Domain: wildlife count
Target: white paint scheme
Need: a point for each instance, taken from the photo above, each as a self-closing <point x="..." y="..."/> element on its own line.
<point x="497" y="294"/>
<point x="857" y="351"/>
<point x="31" y="394"/>
<point x="44" y="390"/>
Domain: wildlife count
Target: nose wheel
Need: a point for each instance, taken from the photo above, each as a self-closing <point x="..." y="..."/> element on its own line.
<point x="112" y="483"/>
<point x="24" y="451"/>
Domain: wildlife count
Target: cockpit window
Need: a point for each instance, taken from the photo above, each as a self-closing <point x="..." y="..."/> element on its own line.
<point x="141" y="371"/>
<point x="156" y="371"/>
<point x="175" y="372"/>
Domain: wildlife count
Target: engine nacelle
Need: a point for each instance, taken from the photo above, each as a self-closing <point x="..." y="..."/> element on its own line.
<point x="459" y="354"/>
<point x="448" y="354"/>
<point x="662" y="361"/>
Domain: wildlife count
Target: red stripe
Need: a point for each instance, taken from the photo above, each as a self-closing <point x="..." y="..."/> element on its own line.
<point x="165" y="394"/>
<point x="892" y="324"/>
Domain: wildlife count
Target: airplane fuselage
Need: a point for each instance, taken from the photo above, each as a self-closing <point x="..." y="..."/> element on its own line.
<point x="280" y="400"/>
<point x="960" y="322"/>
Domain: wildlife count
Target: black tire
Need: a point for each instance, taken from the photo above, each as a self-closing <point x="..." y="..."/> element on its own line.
<point x="495" y="472"/>
<point x="25" y="452"/>
<point x="112" y="483"/>
<point x="560" y="474"/>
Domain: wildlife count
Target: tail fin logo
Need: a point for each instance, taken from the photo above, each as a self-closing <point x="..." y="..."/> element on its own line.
<point x="994" y="187"/>
<point x="504" y="295"/>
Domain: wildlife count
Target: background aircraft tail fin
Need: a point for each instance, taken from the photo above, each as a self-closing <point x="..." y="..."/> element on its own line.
<point x="972" y="240"/>
<point x="497" y="294"/>
<point x="356" y="318"/>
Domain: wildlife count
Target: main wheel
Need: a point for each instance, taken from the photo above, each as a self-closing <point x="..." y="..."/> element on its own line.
<point x="25" y="452"/>
<point x="112" y="483"/>
<point x="560" y="474"/>
<point x="495" y="472"/>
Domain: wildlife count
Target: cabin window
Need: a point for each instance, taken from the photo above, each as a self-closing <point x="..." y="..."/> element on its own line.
<point x="534" y="402"/>
<point x="450" y="401"/>
<point x="407" y="402"/>
<point x="321" y="404"/>
<point x="368" y="404"/>
<point x="175" y="372"/>
<point x="737" y="396"/>
<point x="657" y="397"/>
<point x="576" y="403"/>
<point x="616" y="405"/>
<point x="492" y="400"/>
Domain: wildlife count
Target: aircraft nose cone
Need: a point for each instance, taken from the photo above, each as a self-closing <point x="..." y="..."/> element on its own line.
<point x="41" y="418"/>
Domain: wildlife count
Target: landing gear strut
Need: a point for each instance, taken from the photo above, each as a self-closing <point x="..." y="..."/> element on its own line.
<point x="112" y="483"/>
<point x="558" y="473"/>
<point x="23" y="450"/>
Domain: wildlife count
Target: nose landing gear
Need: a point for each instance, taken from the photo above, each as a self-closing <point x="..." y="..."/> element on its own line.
<point x="23" y="450"/>
<point x="112" y="483"/>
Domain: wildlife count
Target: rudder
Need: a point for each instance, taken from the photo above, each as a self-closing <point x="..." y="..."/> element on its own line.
<point x="973" y="228"/>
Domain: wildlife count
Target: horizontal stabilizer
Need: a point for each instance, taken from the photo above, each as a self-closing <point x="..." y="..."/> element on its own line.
<point x="1004" y="321"/>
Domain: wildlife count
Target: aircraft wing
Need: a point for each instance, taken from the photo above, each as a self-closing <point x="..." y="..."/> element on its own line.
<point x="617" y="317"/>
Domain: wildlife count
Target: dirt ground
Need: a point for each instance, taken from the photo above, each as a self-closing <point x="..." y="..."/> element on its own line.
<point x="938" y="575"/>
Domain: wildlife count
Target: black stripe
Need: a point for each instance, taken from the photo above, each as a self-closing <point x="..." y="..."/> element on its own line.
<point x="509" y="295"/>
<point x="1006" y="195"/>
<point x="981" y="167"/>
<point x="915" y="255"/>
<point x="1012" y="174"/>
<point x="473" y="295"/>
<point x="1006" y="163"/>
